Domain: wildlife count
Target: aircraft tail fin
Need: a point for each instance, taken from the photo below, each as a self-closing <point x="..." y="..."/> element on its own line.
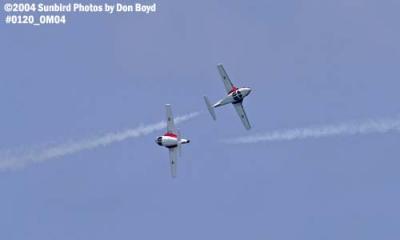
<point x="210" y="108"/>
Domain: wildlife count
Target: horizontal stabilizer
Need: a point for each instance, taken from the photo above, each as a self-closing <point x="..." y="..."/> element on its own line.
<point x="210" y="108"/>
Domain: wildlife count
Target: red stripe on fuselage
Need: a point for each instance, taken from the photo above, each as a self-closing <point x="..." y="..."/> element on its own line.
<point x="169" y="134"/>
<point x="233" y="90"/>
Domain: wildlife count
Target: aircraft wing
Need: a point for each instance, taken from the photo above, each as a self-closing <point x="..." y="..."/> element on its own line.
<point x="172" y="158"/>
<point x="225" y="78"/>
<point x="242" y="114"/>
<point x="170" y="119"/>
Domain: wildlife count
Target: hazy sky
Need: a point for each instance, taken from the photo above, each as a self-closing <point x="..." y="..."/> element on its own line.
<point x="308" y="62"/>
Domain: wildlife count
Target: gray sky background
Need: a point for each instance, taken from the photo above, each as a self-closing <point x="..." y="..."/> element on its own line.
<point x="309" y="62"/>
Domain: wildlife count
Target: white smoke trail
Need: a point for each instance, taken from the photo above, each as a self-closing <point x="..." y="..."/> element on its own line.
<point x="12" y="160"/>
<point x="353" y="128"/>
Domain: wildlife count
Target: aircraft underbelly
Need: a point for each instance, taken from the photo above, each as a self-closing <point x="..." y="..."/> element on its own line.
<point x="228" y="99"/>
<point x="169" y="142"/>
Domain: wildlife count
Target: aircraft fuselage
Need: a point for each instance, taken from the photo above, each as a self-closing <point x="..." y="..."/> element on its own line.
<point x="170" y="140"/>
<point x="236" y="95"/>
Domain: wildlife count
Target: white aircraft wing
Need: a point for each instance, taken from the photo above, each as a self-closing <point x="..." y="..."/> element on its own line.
<point x="225" y="78"/>
<point x="170" y="119"/>
<point x="242" y="114"/>
<point x="173" y="158"/>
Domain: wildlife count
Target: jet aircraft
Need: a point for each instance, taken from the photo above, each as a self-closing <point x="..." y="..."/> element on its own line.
<point x="234" y="95"/>
<point x="171" y="140"/>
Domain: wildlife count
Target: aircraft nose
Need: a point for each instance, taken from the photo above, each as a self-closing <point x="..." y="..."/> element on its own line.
<point x="159" y="141"/>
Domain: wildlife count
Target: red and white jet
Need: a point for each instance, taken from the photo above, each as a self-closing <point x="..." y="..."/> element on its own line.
<point x="235" y="96"/>
<point x="171" y="140"/>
